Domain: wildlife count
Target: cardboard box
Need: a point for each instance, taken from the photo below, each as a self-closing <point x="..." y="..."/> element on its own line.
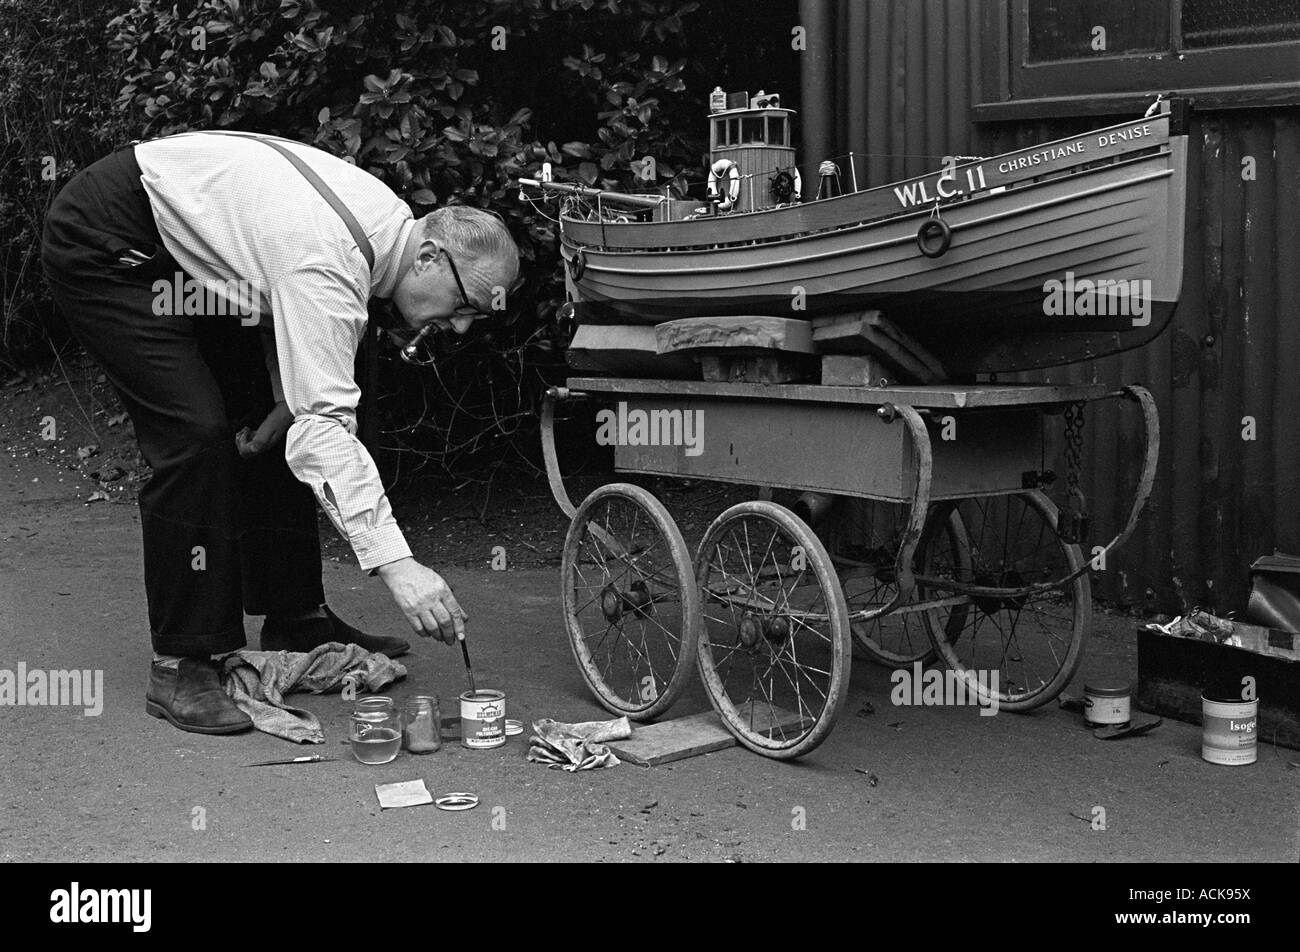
<point x="1174" y="672"/>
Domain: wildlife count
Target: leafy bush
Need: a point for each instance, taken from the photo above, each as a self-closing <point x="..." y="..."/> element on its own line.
<point x="445" y="102"/>
<point x="57" y="86"/>
<point x="398" y="89"/>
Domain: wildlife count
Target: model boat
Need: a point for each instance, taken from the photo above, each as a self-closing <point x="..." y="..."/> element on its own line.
<point x="1065" y="251"/>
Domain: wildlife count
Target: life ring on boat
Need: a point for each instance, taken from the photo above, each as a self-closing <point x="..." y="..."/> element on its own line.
<point x="930" y="229"/>
<point x="578" y="264"/>
<point x="786" y="186"/>
<point x="724" y="169"/>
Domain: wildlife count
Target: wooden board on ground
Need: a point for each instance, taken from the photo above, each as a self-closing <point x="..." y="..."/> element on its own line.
<point x="749" y="333"/>
<point x="683" y="737"/>
<point x="766" y="716"/>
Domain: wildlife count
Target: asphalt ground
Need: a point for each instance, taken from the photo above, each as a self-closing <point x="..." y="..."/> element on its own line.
<point x="893" y="784"/>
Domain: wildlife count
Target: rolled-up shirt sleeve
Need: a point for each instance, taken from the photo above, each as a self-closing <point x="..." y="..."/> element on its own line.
<point x="320" y="318"/>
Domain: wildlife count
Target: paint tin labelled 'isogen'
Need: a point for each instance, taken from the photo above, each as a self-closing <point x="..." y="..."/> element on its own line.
<point x="1228" y="731"/>
<point x="482" y="719"/>
<point x="1106" y="702"/>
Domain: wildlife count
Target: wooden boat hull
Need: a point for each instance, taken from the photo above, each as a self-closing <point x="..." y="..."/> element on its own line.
<point x="1110" y="234"/>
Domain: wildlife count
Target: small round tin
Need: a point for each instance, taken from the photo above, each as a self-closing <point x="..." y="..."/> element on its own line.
<point x="1106" y="702"/>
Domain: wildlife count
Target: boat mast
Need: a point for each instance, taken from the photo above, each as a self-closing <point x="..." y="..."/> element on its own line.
<point x="599" y="195"/>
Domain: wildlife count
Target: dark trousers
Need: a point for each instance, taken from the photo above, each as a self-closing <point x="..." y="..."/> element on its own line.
<point x="222" y="535"/>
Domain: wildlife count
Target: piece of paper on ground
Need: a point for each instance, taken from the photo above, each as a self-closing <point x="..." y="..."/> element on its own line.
<point x="408" y="793"/>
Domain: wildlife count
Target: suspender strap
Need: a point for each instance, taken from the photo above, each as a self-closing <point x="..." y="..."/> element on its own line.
<point x="327" y="193"/>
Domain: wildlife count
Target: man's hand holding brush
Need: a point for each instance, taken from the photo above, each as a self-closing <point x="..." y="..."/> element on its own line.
<point x="425" y="599"/>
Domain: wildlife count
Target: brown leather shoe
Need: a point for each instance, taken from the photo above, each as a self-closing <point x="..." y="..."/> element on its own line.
<point x="309" y="633"/>
<point x="190" y="696"/>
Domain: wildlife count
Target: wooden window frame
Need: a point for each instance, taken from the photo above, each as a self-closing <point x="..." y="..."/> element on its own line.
<point x="1235" y="77"/>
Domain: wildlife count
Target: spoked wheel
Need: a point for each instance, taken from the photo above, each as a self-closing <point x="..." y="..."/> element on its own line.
<point x="1032" y="643"/>
<point x="774" y="649"/>
<point x="630" y="602"/>
<point x="866" y="535"/>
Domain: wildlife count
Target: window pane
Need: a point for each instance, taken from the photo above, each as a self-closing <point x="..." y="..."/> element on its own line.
<point x="775" y="130"/>
<point x="1068" y="29"/>
<point x="720" y="132"/>
<point x="733" y="131"/>
<point x="752" y="130"/>
<point x="1232" y="23"/>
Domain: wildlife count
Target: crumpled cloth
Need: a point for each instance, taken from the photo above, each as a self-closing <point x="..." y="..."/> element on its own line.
<point x="576" y="746"/>
<point x="259" y="680"/>
<point x="1200" y="626"/>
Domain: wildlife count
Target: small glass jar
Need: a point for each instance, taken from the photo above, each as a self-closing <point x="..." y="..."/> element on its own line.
<point x="375" y="737"/>
<point x="422" y="728"/>
<point x="374" y="706"/>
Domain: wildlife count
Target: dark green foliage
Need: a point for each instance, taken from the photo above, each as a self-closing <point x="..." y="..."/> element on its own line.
<point x="423" y="95"/>
<point x="57" y="86"/>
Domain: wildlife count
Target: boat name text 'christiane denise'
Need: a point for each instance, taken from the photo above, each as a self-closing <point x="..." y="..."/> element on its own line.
<point x="948" y="184"/>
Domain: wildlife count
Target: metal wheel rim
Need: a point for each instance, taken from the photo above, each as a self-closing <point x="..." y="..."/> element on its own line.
<point x="1014" y="632"/>
<point x="824" y="687"/>
<point x="866" y="634"/>
<point x="643" y="630"/>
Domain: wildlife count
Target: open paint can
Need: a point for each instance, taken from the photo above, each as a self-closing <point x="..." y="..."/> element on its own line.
<point x="482" y="719"/>
<point x="1228" y="732"/>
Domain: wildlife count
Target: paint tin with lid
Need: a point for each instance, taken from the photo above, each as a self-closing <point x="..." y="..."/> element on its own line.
<point x="1105" y="703"/>
<point x="1228" y="734"/>
<point x="482" y="719"/>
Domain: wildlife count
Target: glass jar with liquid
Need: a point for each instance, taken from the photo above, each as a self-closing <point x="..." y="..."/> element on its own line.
<point x="375" y="730"/>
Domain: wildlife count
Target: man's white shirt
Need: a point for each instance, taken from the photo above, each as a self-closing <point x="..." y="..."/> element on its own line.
<point x="229" y="208"/>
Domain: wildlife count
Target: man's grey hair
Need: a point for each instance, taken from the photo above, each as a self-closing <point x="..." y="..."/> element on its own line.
<point x="474" y="234"/>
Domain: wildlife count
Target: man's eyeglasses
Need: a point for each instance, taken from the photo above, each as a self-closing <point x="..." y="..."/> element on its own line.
<point x="466" y="309"/>
<point x="411" y="352"/>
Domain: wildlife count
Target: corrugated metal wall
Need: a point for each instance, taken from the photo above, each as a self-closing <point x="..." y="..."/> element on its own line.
<point x="897" y="83"/>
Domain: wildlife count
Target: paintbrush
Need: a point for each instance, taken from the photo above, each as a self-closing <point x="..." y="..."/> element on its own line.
<point x="469" y="671"/>
<point x="309" y="759"/>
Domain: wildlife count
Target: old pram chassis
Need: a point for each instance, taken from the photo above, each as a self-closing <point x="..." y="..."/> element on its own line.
<point x="940" y="543"/>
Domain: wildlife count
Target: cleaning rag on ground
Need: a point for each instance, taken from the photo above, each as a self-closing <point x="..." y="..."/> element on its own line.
<point x="576" y="746"/>
<point x="259" y="680"/>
